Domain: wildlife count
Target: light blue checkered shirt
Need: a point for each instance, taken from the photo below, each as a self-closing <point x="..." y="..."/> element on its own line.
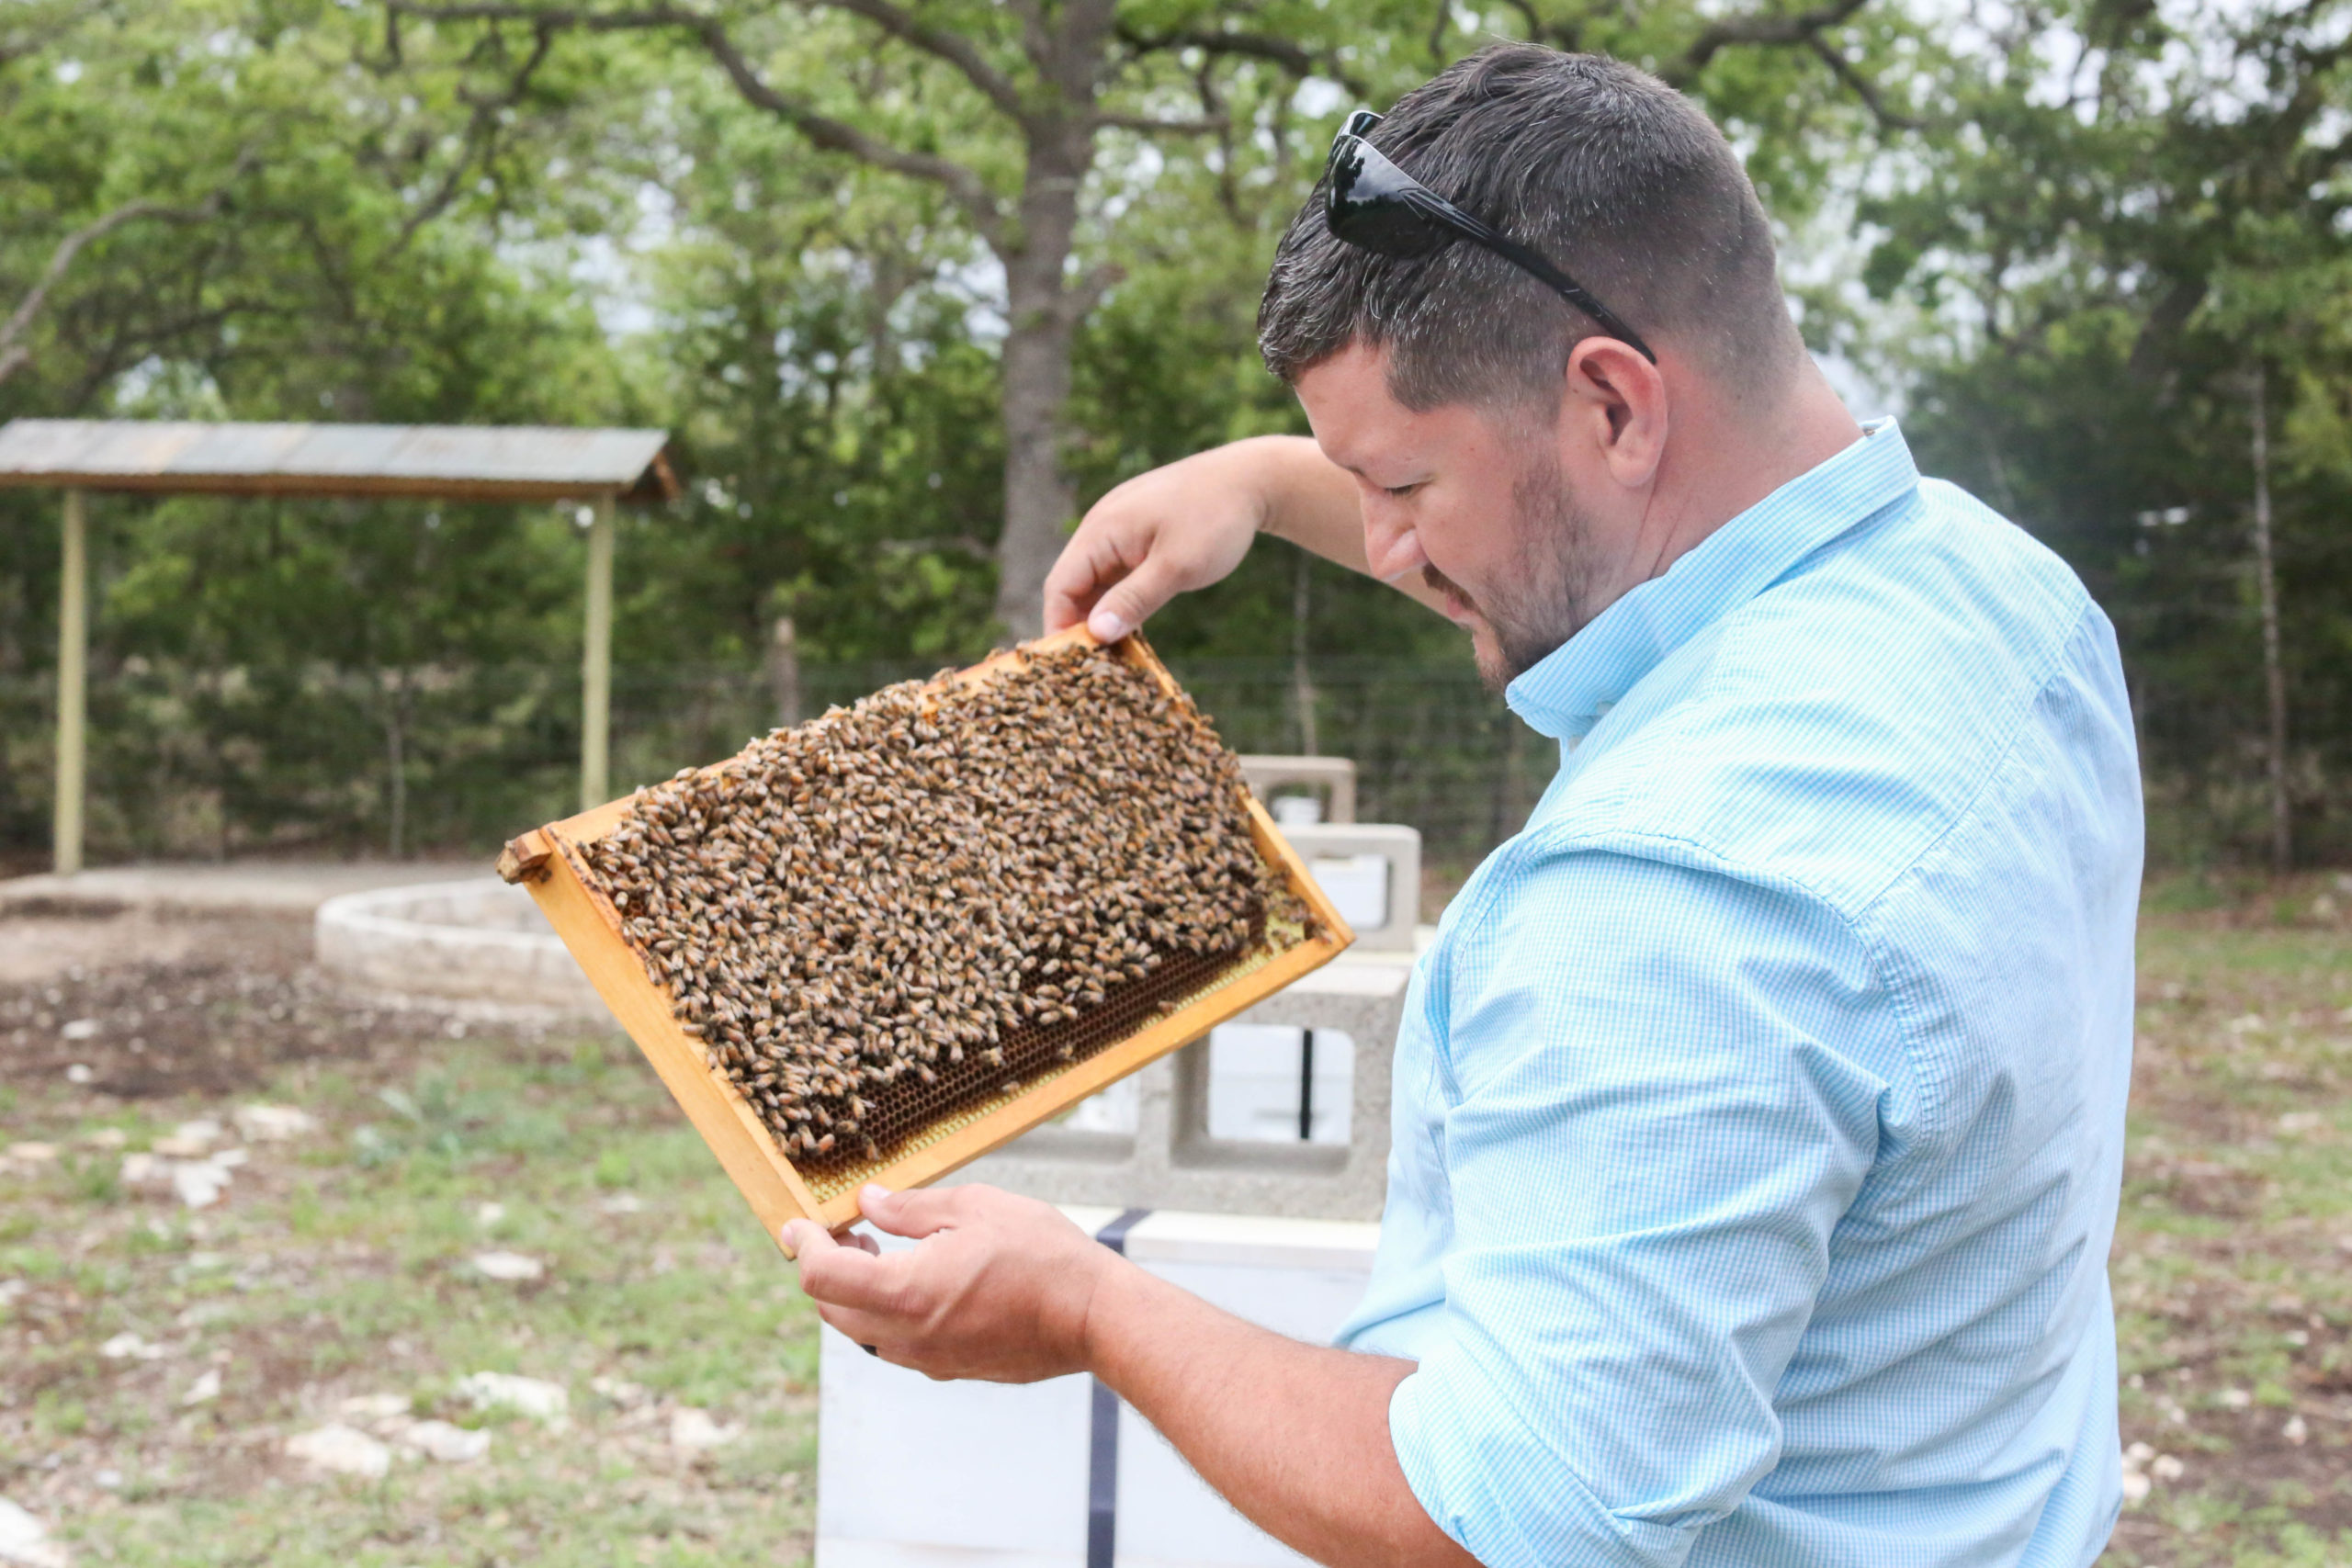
<point x="1759" y="1109"/>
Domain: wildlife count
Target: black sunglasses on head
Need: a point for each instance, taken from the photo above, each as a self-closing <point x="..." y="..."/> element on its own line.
<point x="1372" y="204"/>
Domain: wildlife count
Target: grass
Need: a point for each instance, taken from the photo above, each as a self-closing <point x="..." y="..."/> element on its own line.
<point x="2232" y="1261"/>
<point x="339" y="1266"/>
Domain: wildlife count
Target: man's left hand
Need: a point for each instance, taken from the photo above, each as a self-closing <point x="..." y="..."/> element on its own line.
<point x="997" y="1287"/>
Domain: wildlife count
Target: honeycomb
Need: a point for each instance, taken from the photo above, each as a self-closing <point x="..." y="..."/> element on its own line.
<point x="881" y="922"/>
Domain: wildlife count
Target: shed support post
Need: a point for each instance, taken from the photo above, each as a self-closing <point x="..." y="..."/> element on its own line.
<point x="73" y="687"/>
<point x="596" y="662"/>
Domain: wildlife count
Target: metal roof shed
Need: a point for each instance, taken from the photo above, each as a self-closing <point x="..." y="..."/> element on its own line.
<point x="443" y="462"/>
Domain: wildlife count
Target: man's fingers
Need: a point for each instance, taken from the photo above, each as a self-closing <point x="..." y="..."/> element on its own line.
<point x="851" y="1273"/>
<point x="1127" y="603"/>
<point x="912" y="1214"/>
<point x="852" y="1277"/>
<point x="801" y="1235"/>
<point x="871" y="1330"/>
<point x="1069" y="592"/>
<point x="1090" y="563"/>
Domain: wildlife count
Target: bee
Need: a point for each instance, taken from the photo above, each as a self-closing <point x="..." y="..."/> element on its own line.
<point x="873" y="918"/>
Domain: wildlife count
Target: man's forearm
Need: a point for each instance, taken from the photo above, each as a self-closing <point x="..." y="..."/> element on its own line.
<point x="1294" y="1435"/>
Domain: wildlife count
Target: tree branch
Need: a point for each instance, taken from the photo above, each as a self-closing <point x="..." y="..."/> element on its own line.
<point x="14" y="352"/>
<point x="964" y="184"/>
<point x="1296" y="59"/>
<point x="1079" y="299"/>
<point x="482" y="133"/>
<point x="991" y="83"/>
<point x="1566" y="35"/>
<point x="1758" y="28"/>
<point x="1862" y="86"/>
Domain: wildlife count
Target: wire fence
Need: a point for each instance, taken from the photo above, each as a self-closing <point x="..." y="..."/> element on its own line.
<point x="205" y="763"/>
<point x="216" y="764"/>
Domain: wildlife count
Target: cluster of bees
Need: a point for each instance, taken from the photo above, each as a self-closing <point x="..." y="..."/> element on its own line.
<point x="861" y="916"/>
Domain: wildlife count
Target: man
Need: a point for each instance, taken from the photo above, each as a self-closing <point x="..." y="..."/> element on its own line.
<point x="1760" y="1107"/>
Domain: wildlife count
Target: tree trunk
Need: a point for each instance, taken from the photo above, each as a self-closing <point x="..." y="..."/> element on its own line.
<point x="1039" y="502"/>
<point x="2274" y="674"/>
<point x="1069" y="52"/>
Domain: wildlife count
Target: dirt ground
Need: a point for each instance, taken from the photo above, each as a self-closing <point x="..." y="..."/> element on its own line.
<point x="2232" y="1262"/>
<point x="156" y="1359"/>
<point x="397" y="1199"/>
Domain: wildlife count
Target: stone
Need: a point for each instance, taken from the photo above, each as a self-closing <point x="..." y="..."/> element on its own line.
<point x="535" y="1397"/>
<point x="509" y="1265"/>
<point x="24" y="1540"/>
<point x="443" y="1441"/>
<point x="338" y="1449"/>
<point x="478" y="940"/>
<point x="695" y="1430"/>
<point x="374" y="1406"/>
<point x="205" y="1389"/>
<point x="198" y="1183"/>
<point x="273" y="1123"/>
<point x="194" y="1141"/>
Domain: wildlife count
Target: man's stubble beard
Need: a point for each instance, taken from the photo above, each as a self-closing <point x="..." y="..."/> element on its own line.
<point x="1542" y="603"/>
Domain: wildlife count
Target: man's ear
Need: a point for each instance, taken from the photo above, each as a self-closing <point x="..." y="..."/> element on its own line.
<point x="1615" y="410"/>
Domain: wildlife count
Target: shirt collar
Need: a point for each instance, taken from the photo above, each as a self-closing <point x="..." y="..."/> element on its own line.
<point x="1568" y="690"/>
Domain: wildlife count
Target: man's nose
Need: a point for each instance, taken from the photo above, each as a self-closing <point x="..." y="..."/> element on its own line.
<point x="1392" y="545"/>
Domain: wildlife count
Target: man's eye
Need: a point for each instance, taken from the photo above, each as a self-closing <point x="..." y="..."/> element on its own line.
<point x="1401" y="492"/>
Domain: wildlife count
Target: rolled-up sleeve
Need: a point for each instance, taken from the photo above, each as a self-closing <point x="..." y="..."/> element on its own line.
<point x="1664" y="1083"/>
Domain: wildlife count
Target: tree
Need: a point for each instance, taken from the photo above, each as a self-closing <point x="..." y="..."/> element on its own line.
<point x="2137" y="211"/>
<point x="1017" y="113"/>
<point x="1028" y="96"/>
<point x="219" y="213"/>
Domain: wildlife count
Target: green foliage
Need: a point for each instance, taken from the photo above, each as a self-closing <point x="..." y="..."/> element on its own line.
<point x="2125" y="214"/>
<point x="2071" y="236"/>
<point x="324" y="255"/>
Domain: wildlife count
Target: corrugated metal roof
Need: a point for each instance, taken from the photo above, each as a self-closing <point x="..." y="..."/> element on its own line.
<point x="453" y="462"/>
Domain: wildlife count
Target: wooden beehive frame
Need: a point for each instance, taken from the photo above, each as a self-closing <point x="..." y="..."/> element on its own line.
<point x="549" y="861"/>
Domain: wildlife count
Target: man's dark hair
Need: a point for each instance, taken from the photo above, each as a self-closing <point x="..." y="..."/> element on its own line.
<point x="1605" y="170"/>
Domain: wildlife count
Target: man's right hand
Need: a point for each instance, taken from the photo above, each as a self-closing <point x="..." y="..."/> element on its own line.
<point x="1162" y="534"/>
